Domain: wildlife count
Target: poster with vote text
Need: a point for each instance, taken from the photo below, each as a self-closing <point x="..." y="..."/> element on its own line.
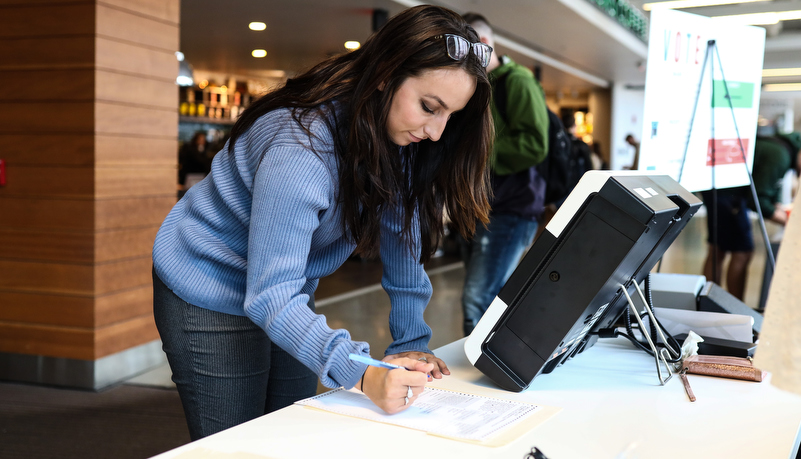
<point x="687" y="114"/>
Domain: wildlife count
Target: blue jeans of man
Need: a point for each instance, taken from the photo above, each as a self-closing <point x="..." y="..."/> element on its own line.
<point x="490" y="258"/>
<point x="226" y="369"/>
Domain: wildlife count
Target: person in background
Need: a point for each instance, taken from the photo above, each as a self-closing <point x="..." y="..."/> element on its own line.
<point x="194" y="157"/>
<point x="580" y="152"/>
<point x="728" y="210"/>
<point x="521" y="143"/>
<point x="598" y="162"/>
<point x="361" y="153"/>
<point x="631" y="140"/>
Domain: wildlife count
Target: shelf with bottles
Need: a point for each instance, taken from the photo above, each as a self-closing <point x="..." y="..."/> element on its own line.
<point x="212" y="103"/>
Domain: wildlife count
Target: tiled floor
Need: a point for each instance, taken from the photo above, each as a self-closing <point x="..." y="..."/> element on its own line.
<point x="352" y="298"/>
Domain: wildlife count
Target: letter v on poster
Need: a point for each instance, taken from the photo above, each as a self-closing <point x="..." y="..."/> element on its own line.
<point x="686" y="108"/>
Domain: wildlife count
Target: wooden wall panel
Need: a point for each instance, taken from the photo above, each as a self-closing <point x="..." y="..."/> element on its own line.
<point x="48" y="53"/>
<point x="169" y="11"/>
<point x="53" y="278"/>
<point x="133" y="120"/>
<point x="91" y="171"/>
<point x="32" y="20"/>
<point x="136" y="60"/>
<point x="122" y="275"/>
<point x="120" y="24"/>
<point x="129" y="182"/>
<point x="71" y="149"/>
<point x="124" y="305"/>
<point x="120" y="336"/>
<point x="53" y="341"/>
<point x="125" y="243"/>
<point x="51" y="85"/>
<point x="47" y="309"/>
<point x="49" y="182"/>
<point x="122" y="213"/>
<point x="85" y="311"/>
<point x="46" y="214"/>
<point x="115" y="150"/>
<point x="46" y="117"/>
<point x="136" y="90"/>
<point x="39" y="245"/>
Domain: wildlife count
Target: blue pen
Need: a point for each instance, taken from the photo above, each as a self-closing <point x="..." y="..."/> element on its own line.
<point x="375" y="363"/>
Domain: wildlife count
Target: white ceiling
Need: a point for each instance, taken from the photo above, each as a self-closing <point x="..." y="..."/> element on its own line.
<point x="561" y="35"/>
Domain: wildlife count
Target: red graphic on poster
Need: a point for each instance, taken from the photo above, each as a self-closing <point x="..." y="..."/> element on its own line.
<point x="727" y="151"/>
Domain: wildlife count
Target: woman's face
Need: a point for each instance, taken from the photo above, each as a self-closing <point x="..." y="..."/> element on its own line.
<point x="422" y="105"/>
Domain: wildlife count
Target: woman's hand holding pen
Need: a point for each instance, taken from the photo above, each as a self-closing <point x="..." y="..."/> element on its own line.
<point x="390" y="389"/>
<point x="439" y="366"/>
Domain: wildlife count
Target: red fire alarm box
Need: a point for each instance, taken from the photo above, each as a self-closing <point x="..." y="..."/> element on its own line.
<point x="2" y="173"/>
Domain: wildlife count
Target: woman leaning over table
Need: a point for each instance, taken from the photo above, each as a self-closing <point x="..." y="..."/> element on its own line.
<point x="360" y="154"/>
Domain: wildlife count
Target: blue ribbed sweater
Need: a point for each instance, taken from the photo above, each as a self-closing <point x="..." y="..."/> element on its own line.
<point x="254" y="238"/>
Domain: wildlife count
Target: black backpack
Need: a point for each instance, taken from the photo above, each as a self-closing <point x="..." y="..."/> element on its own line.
<point x="555" y="168"/>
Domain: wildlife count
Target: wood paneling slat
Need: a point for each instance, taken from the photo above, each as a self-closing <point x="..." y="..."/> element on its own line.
<point x="134" y="181"/>
<point x="50" y="341"/>
<point x="35" y="20"/>
<point x="48" y="149"/>
<point x="131" y="89"/>
<point x="124" y="213"/>
<point x="75" y="311"/>
<point x="46" y="214"/>
<point x="127" y="150"/>
<point x="56" y="117"/>
<point x="66" y="52"/>
<point x="168" y="11"/>
<point x="130" y="58"/>
<point x="49" y="182"/>
<point x="53" y="278"/>
<point x="51" y="85"/>
<point x="47" y="309"/>
<point x="33" y="245"/>
<point x="127" y="119"/>
<point x="121" y="275"/>
<point x="122" y="244"/>
<point x="124" y="335"/>
<point x="123" y="305"/>
<point x="122" y="25"/>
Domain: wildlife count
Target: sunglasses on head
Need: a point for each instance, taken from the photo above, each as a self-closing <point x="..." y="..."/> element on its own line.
<point x="458" y="47"/>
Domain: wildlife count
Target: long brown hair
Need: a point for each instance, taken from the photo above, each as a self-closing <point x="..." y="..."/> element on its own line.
<point x="422" y="179"/>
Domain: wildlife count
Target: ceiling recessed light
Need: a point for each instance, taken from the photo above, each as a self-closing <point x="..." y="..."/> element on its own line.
<point x="258" y="53"/>
<point x="257" y="26"/>
<point x="351" y="45"/>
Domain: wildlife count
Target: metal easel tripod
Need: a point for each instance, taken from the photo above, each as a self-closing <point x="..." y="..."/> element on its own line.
<point x="710" y="50"/>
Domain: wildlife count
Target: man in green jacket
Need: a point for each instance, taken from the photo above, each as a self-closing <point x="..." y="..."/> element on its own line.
<point x="521" y="142"/>
<point x="773" y="157"/>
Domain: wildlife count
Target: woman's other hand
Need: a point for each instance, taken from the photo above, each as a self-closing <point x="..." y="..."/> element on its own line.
<point x="439" y="366"/>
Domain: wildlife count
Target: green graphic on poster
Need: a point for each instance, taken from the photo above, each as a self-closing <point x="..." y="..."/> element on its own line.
<point x="741" y="93"/>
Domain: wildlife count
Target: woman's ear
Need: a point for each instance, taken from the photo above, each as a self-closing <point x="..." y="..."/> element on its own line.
<point x="381" y="86"/>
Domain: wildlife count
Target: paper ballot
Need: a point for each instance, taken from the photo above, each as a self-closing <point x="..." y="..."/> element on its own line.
<point x="440" y="412"/>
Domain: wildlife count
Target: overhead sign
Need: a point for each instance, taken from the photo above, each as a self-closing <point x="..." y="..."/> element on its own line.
<point x="687" y="114"/>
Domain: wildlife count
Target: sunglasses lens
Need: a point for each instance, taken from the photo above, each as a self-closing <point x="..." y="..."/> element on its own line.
<point x="482" y="52"/>
<point x="458" y="47"/>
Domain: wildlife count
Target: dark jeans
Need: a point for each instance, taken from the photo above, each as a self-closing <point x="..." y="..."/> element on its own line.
<point x="490" y="258"/>
<point x="226" y="369"/>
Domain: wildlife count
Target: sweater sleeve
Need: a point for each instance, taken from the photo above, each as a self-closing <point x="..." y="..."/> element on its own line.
<point x="524" y="141"/>
<point x="291" y="189"/>
<point x="406" y="283"/>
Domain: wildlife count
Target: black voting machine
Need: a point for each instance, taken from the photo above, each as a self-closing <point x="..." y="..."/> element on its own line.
<point x="609" y="233"/>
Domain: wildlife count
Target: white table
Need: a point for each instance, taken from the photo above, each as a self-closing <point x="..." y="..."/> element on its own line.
<point x="612" y="407"/>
